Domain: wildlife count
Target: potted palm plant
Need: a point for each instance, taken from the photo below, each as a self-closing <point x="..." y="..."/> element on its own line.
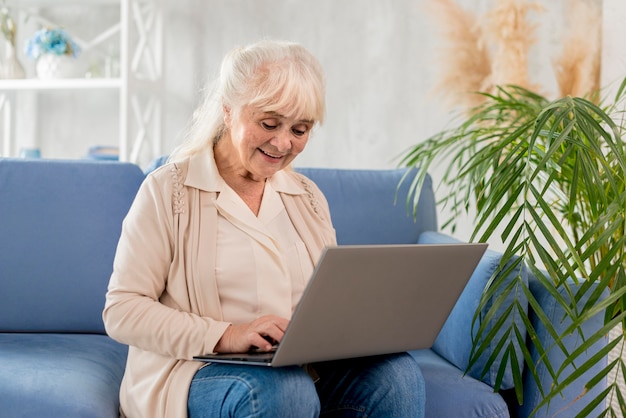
<point x="548" y="180"/>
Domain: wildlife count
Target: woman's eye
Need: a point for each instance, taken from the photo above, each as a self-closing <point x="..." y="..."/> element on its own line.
<point x="298" y="131"/>
<point x="268" y="126"/>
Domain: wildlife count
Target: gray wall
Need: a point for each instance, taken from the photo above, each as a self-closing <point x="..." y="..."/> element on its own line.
<point x="381" y="61"/>
<point x="377" y="55"/>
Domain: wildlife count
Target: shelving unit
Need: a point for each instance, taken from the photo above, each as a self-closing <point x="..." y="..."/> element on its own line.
<point x="138" y="35"/>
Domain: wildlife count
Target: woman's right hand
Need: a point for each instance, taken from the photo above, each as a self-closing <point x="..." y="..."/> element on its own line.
<point x="260" y="333"/>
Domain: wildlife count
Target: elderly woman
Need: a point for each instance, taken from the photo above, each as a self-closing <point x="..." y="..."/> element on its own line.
<point x="215" y="253"/>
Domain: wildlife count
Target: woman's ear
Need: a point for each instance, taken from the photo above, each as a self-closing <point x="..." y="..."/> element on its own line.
<point x="227" y="114"/>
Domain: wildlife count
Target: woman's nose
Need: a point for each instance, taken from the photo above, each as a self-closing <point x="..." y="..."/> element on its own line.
<point x="282" y="141"/>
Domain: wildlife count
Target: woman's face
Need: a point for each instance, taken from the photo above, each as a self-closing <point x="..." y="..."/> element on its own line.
<point x="264" y="142"/>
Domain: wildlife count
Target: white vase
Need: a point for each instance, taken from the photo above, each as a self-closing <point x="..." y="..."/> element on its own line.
<point x="11" y="67"/>
<point x="51" y="66"/>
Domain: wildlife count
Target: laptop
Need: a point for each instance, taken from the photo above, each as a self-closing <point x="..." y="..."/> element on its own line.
<point x="366" y="300"/>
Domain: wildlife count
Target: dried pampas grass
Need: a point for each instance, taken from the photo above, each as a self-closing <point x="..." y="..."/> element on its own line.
<point x="465" y="57"/>
<point x="578" y="67"/>
<point x="512" y="35"/>
<point x="482" y="52"/>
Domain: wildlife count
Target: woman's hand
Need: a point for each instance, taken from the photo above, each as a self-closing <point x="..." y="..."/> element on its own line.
<point x="261" y="333"/>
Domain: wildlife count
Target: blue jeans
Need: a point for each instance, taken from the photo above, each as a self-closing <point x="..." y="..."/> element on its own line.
<point x="380" y="386"/>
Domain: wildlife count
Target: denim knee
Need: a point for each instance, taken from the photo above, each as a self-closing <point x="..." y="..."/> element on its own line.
<point x="407" y="394"/>
<point x="224" y="390"/>
<point x="379" y="386"/>
<point x="291" y="395"/>
<point x="405" y="370"/>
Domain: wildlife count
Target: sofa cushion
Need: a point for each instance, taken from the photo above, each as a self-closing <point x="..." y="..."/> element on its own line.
<point x="60" y="224"/>
<point x="454" y="342"/>
<point x="450" y="393"/>
<point x="60" y="375"/>
<point x="365" y="208"/>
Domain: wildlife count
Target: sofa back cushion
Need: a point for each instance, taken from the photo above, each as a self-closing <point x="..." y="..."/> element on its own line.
<point x="59" y="226"/>
<point x="366" y="208"/>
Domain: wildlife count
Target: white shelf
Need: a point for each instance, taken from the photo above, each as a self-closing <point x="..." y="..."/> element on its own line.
<point x="138" y="52"/>
<point x="35" y="84"/>
<point x="52" y="3"/>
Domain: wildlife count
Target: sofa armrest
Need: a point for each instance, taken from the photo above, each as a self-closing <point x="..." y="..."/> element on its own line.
<point x="568" y="404"/>
<point x="454" y="342"/>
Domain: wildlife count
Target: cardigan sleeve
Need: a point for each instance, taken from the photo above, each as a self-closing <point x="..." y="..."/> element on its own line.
<point x="135" y="312"/>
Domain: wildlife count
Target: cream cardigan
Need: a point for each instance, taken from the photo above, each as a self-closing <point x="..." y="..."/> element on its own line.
<point x="162" y="298"/>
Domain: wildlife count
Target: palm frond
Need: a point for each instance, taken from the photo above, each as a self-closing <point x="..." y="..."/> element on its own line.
<point x="550" y="178"/>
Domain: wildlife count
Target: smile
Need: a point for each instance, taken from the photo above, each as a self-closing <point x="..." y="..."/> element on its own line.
<point x="271" y="155"/>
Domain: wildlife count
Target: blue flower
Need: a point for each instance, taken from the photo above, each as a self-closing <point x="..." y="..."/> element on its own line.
<point x="51" y="41"/>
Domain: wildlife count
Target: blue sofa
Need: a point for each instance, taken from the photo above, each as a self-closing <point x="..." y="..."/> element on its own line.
<point x="59" y="226"/>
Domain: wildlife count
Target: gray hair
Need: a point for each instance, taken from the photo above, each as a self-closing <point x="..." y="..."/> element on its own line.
<point x="275" y="76"/>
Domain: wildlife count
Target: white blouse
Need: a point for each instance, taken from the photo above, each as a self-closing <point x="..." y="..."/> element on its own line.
<point x="262" y="263"/>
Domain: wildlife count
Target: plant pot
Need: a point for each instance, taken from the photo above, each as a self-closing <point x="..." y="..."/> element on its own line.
<point x="51" y="66"/>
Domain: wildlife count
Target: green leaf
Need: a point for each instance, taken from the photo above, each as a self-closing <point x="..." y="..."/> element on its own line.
<point x="550" y="178"/>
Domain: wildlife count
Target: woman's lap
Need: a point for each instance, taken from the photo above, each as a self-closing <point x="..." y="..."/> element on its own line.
<point x="380" y="386"/>
<point x="224" y="390"/>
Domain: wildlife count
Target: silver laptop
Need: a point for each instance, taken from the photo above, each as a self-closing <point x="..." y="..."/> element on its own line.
<point x="368" y="300"/>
